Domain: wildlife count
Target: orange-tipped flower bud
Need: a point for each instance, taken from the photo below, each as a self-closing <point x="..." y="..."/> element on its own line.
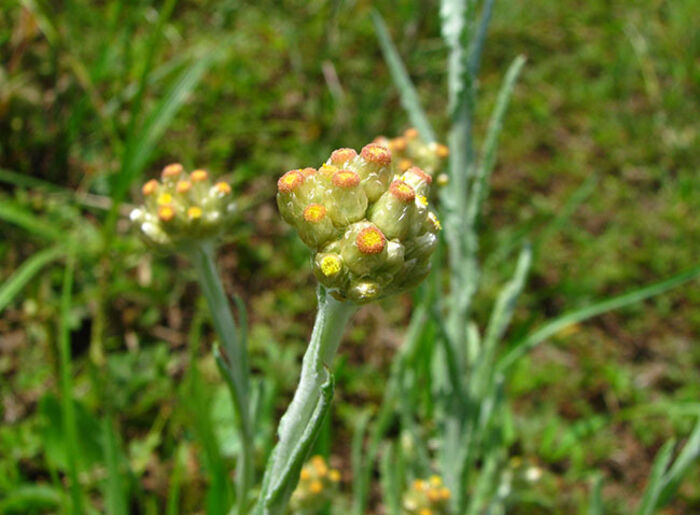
<point x="376" y="154"/>
<point x="290" y="181"/>
<point x="150" y="187"/>
<point x="166" y="213"/>
<point x="346" y="179"/>
<point x="172" y="170"/>
<point x="411" y="133"/>
<point x="370" y="241"/>
<point x="402" y="191"/>
<point x="342" y="155"/>
<point x="199" y="176"/>
<point x="183" y="186"/>
<point x="223" y="187"/>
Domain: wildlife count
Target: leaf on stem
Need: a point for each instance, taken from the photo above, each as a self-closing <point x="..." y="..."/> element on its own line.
<point x="407" y="91"/>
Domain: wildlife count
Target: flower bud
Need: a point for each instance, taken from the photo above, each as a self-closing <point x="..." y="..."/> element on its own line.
<point x="367" y="222"/>
<point x="183" y="208"/>
<point x="348" y="200"/>
<point x="317" y="485"/>
<point x="427" y="496"/>
<point x="316" y="227"/>
<point x="375" y="170"/>
<point x="393" y="213"/>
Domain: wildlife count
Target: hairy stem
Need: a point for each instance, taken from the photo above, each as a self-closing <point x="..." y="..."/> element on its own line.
<point x="298" y="427"/>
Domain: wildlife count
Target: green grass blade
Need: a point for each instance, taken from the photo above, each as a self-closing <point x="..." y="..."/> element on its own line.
<point x="36" y="498"/>
<point x="27" y="181"/>
<point x="66" y="386"/>
<point x="359" y="465"/>
<point x="138" y="155"/>
<point x="689" y="454"/>
<point x="480" y="188"/>
<point x="25" y="273"/>
<point x="14" y="214"/>
<point x="656" y="478"/>
<point x="116" y="500"/>
<point x="500" y="320"/>
<point x="407" y="91"/>
<point x="477" y="45"/>
<point x="390" y="479"/>
<point x="568" y="319"/>
<point x="595" y="504"/>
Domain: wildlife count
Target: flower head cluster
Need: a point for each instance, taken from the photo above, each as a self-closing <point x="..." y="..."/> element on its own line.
<point x="410" y="150"/>
<point x="426" y="497"/>
<point x="183" y="207"/>
<point x="367" y="220"/>
<point x="317" y="482"/>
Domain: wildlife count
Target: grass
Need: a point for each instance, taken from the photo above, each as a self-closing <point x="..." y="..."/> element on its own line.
<point x="606" y="93"/>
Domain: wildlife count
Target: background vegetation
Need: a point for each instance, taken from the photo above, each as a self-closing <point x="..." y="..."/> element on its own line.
<point x="598" y="167"/>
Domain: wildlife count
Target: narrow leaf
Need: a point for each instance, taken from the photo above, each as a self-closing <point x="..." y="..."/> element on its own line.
<point x="554" y="326"/>
<point x="25" y="273"/>
<point x="407" y="91"/>
<point x="655" y="483"/>
<point x="689" y="454"/>
<point x="480" y="189"/>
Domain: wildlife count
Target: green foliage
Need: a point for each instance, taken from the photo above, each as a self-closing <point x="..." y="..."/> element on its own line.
<point x="596" y="167"/>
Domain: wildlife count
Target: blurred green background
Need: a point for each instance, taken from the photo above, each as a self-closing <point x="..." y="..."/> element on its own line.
<point x="598" y="168"/>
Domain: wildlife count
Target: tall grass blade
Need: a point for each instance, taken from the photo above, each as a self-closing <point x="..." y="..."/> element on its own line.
<point x="116" y="500"/>
<point x="68" y="416"/>
<point x="689" y="454"/>
<point x="138" y="155"/>
<point x="595" y="504"/>
<point x="568" y="319"/>
<point x="477" y="45"/>
<point x="12" y="213"/>
<point x="407" y="91"/>
<point x="656" y="479"/>
<point x="25" y="273"/>
<point x="480" y="188"/>
<point x="359" y="466"/>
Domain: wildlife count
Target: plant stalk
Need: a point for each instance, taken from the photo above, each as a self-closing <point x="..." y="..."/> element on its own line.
<point x="235" y="363"/>
<point x="298" y="426"/>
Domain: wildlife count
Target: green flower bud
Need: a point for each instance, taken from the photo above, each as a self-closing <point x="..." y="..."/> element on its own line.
<point x="394" y="212"/>
<point x="183" y="208"/>
<point x="426" y="496"/>
<point x="348" y="201"/>
<point x="317" y="485"/>
<point x="330" y="269"/>
<point x="366" y="218"/>
<point x="315" y="228"/>
<point x="374" y="168"/>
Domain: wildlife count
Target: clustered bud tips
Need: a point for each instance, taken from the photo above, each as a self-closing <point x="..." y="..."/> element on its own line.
<point x="199" y="176"/>
<point x="377" y="154"/>
<point x="402" y="191"/>
<point x="342" y="155"/>
<point x="427" y="497"/>
<point x="370" y="240"/>
<point x="345" y="179"/>
<point x="183" y="208"/>
<point x="366" y="217"/>
<point x="172" y="170"/>
<point x="290" y="181"/>
<point x="410" y="150"/>
<point x="317" y="485"/>
<point x="150" y="187"/>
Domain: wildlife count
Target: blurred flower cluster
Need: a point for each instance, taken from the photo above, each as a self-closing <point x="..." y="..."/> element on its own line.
<point x="426" y="497"/>
<point x="317" y="483"/>
<point x="366" y="218"/>
<point x="182" y="208"/>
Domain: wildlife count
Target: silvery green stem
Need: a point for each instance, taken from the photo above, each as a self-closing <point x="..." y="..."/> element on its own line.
<point x="233" y="366"/>
<point x="299" y="425"/>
